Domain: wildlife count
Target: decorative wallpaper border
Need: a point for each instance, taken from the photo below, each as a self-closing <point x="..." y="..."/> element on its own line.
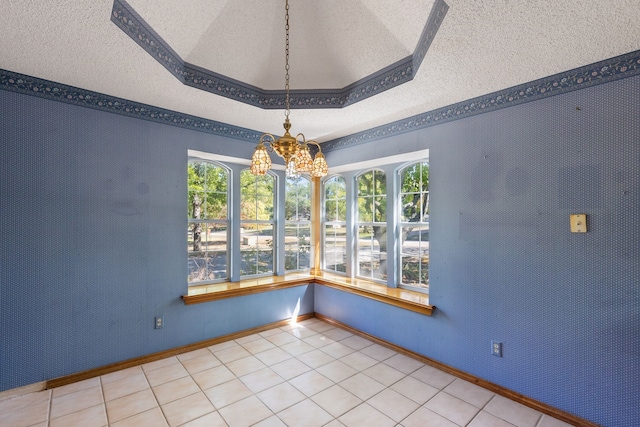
<point x="27" y="85"/>
<point x="615" y="68"/>
<point x="403" y="71"/>
<point x="612" y="69"/>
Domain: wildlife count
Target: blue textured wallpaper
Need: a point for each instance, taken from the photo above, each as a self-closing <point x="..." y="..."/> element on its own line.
<point x="504" y="265"/>
<point x="92" y="246"/>
<point x="93" y="222"/>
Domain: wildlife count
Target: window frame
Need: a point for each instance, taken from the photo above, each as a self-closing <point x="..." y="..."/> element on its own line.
<point x="338" y="223"/>
<point x="298" y="224"/>
<point x="375" y="222"/>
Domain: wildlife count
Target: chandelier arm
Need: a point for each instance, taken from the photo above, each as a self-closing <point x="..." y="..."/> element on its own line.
<point x="268" y="144"/>
<point x="316" y="144"/>
<point x="304" y="140"/>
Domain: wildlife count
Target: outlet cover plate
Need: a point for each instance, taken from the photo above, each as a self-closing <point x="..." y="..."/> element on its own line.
<point x="496" y="348"/>
<point x="159" y="322"/>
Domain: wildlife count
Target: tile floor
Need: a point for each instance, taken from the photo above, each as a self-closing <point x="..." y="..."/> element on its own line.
<point x="303" y="375"/>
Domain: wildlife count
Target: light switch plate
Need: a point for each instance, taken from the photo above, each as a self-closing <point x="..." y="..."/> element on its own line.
<point x="578" y="223"/>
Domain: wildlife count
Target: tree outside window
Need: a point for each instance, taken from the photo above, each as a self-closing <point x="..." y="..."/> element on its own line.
<point x="257" y="223"/>
<point x="208" y="226"/>
<point x="297" y="240"/>
<point x="335" y="225"/>
<point x="372" y="225"/>
<point x="414" y="226"/>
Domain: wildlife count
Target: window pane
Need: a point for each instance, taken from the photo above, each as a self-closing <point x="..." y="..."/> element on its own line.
<point x="365" y="209"/>
<point x="365" y="184"/>
<point x="372" y="252"/>
<point x="414" y="256"/>
<point x="256" y="249"/>
<point x="216" y="206"/>
<point x="195" y="207"/>
<point x="411" y="207"/>
<point x="207" y="252"/>
<point x="380" y="209"/>
<point x="335" y="244"/>
<point x="297" y="245"/>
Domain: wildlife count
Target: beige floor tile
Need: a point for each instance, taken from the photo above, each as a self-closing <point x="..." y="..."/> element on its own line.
<point x="337" y="334"/>
<point x="311" y="383"/>
<point x="290" y="368"/>
<point x="258" y="345"/>
<point x="547" y="421"/>
<point x="245" y="412"/>
<point x="230" y="354"/>
<point x="384" y="374"/>
<point x="272" y="421"/>
<point x="302" y="332"/>
<point x="468" y="392"/>
<point x="212" y="377"/>
<point x="424" y="417"/>
<point x="403" y="363"/>
<point x="131" y="404"/>
<point x="227" y="393"/>
<point x="273" y="356"/>
<point x="356" y="342"/>
<point x="176" y="389"/>
<point x="378" y="352"/>
<point x="153" y="417"/>
<point x="118" y="375"/>
<point x="366" y="415"/>
<point x="193" y="354"/>
<point x="270" y="332"/>
<point x="123" y="386"/>
<point x="95" y="416"/>
<point x="336" y="400"/>
<point x="73" y="387"/>
<point x="359" y="361"/>
<point x="261" y="380"/>
<point x="393" y="404"/>
<point x="415" y="389"/>
<point x="24" y="400"/>
<point x="25" y="415"/>
<point x="362" y="386"/>
<point x="485" y="419"/>
<point x="248" y="338"/>
<point x="513" y="412"/>
<point x="320" y="326"/>
<point x="433" y="376"/>
<point x="201" y="363"/>
<point x="297" y="347"/>
<point x="306" y="413"/>
<point x="222" y="345"/>
<point x="214" y="419"/>
<point x="76" y="401"/>
<point x="166" y="374"/>
<point x="337" y="371"/>
<point x="161" y="363"/>
<point x="318" y="341"/>
<point x="315" y="358"/>
<point x="280" y="397"/>
<point x="452" y="408"/>
<point x="187" y="409"/>
<point x="337" y="350"/>
<point x="281" y="338"/>
<point x="336" y="423"/>
<point x="245" y="366"/>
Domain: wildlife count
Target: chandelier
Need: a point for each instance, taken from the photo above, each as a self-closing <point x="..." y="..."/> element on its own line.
<point x="294" y="150"/>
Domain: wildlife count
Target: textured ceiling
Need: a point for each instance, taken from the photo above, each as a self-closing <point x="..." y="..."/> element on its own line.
<point x="481" y="46"/>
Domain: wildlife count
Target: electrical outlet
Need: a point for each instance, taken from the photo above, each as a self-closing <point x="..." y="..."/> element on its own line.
<point x="496" y="348"/>
<point x="159" y="322"/>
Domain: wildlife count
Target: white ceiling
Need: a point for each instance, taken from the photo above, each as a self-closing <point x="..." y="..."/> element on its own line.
<point x="482" y="46"/>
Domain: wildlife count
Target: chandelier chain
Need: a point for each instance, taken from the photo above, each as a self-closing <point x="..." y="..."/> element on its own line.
<point x="286" y="66"/>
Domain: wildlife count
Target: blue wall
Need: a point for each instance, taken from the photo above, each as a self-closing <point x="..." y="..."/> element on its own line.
<point x="92" y="246"/>
<point x="504" y="265"/>
<point x="93" y="222"/>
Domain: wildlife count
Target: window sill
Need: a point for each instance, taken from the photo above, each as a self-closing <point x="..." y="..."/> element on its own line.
<point x="408" y="300"/>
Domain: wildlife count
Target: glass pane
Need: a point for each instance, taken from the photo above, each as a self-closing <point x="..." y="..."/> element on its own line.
<point x="410" y="208"/>
<point x="297" y="247"/>
<point x="335" y="239"/>
<point x="207" y="252"/>
<point x="414" y="255"/>
<point x="372" y="252"/>
<point x="256" y="248"/>
<point x="264" y="207"/>
<point x="330" y="210"/>
<point x="365" y="209"/>
<point x="411" y="179"/>
<point x="195" y="207"/>
<point x="380" y="181"/>
<point x="216" y="178"/>
<point x="365" y="184"/>
<point x="216" y="206"/>
<point x="380" y="209"/>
